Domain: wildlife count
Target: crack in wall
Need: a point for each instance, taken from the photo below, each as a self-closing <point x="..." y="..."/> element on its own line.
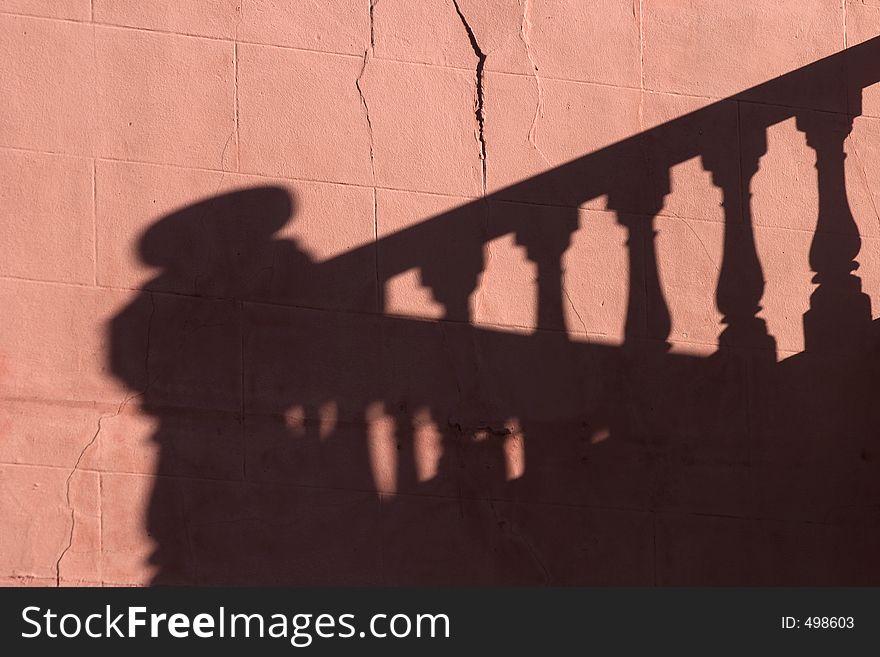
<point x="574" y="308"/>
<point x="479" y="107"/>
<point x="372" y="25"/>
<point x="357" y="83"/>
<point x="524" y="31"/>
<point x="235" y="107"/>
<point x="367" y="55"/>
<point x="94" y="439"/>
<point x="236" y="113"/>
<point x="70" y="504"/>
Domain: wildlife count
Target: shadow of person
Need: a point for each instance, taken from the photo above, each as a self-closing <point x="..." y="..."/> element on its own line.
<point x="181" y="355"/>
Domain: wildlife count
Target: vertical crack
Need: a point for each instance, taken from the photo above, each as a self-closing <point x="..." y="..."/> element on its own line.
<point x="479" y="110"/>
<point x="372" y="25"/>
<point x="524" y="32"/>
<point x="367" y="54"/>
<point x="366" y="107"/>
<point x="235" y="108"/>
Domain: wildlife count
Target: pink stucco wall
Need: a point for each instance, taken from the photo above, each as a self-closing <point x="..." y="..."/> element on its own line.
<point x="335" y="379"/>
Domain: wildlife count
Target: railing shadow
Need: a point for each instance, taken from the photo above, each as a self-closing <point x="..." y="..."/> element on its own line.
<point x="306" y="441"/>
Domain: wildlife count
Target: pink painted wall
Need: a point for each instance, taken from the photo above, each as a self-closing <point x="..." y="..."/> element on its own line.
<point x="361" y="372"/>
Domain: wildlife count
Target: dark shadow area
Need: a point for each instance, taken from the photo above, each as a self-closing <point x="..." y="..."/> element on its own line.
<point x="288" y="414"/>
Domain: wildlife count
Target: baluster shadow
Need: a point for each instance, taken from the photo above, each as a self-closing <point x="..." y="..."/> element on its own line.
<point x="306" y="436"/>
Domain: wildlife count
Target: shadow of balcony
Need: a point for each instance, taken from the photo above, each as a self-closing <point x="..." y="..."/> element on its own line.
<point x="307" y="436"/>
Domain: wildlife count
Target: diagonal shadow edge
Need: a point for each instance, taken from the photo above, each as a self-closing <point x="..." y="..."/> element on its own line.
<point x="302" y="483"/>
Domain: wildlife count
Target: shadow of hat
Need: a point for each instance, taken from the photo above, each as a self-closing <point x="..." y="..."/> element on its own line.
<point x="235" y="220"/>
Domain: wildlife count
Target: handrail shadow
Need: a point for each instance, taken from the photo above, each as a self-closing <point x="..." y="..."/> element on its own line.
<point x="304" y="443"/>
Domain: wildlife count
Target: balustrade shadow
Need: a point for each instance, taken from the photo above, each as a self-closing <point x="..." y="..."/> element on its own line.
<point x="308" y="437"/>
